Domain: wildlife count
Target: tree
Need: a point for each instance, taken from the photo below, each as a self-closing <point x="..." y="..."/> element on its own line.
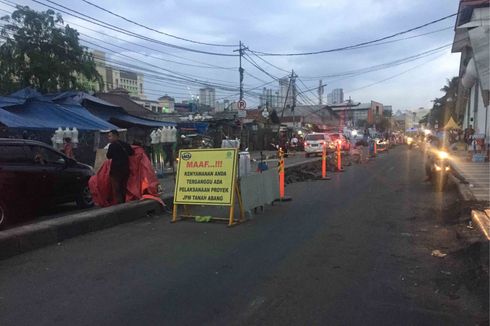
<point x="35" y="51"/>
<point x="445" y="106"/>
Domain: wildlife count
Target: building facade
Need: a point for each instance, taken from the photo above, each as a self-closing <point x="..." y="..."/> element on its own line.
<point x="114" y="78"/>
<point x="336" y="96"/>
<point x="286" y="93"/>
<point x="164" y="104"/>
<point x="269" y="98"/>
<point x="207" y="96"/>
<point x="471" y="39"/>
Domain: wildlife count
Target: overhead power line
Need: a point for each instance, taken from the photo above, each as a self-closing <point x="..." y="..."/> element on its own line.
<point x="358" y="44"/>
<point x="202" y="64"/>
<point x="155" y="30"/>
<point x="267" y="62"/>
<point x="253" y="63"/>
<point x="115" y="28"/>
<point x="382" y="66"/>
<point x="394" y="76"/>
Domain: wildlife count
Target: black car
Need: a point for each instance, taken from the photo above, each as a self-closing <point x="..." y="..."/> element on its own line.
<point x="34" y="176"/>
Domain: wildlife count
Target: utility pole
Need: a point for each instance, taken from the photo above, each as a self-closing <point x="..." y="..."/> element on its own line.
<point x="240" y="69"/>
<point x="293" y="107"/>
<point x="320" y="93"/>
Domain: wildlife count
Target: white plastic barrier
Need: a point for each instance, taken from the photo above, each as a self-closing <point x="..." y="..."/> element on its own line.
<point x="259" y="189"/>
<point x="230" y="143"/>
<point x="244" y="165"/>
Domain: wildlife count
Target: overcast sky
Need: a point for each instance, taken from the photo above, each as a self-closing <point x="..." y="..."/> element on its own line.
<point x="282" y="26"/>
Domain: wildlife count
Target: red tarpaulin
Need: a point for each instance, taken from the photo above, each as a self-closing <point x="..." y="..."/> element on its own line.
<point x="142" y="182"/>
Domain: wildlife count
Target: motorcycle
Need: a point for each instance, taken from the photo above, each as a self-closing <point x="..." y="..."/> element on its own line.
<point x="410" y="142"/>
<point x="440" y="169"/>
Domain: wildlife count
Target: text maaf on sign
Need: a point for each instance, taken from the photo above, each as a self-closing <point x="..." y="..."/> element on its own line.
<point x="206" y="177"/>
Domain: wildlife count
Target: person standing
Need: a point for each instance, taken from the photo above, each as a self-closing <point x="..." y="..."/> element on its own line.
<point x="294" y="144"/>
<point x="119" y="152"/>
<point x="68" y="148"/>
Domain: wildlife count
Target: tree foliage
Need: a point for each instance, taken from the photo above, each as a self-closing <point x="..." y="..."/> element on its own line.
<point x="445" y="106"/>
<point x="37" y="50"/>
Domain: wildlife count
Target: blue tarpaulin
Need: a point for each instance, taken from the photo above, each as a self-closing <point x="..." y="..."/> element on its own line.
<point x="108" y="111"/>
<point x="29" y="109"/>
<point x="38" y="114"/>
<point x="200" y="127"/>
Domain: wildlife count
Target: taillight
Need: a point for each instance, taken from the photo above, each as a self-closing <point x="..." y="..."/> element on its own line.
<point x="306" y="143"/>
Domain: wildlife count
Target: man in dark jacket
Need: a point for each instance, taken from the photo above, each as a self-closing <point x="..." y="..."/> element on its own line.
<point x="119" y="153"/>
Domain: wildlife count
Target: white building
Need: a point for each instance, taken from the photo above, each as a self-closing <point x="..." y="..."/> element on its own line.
<point x="471" y="39"/>
<point x="270" y="98"/>
<point x="115" y="78"/>
<point x="207" y="96"/>
<point x="286" y="93"/>
<point x="164" y="104"/>
<point x="336" y="96"/>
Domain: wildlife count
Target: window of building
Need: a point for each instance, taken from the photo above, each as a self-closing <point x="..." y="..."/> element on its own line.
<point x="141" y="87"/>
<point x="377" y="109"/>
<point x="117" y="82"/>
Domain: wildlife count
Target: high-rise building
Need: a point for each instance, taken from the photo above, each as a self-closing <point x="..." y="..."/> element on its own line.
<point x="207" y="96"/>
<point x="336" y="96"/>
<point x="285" y="92"/>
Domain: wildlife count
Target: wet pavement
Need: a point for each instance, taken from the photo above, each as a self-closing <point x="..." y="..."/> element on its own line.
<point x="356" y="249"/>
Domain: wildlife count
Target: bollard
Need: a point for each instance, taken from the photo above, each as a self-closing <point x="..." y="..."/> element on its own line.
<point x="282" y="196"/>
<point x="339" y="158"/>
<point x="324" y="163"/>
<point x="281" y="173"/>
<point x="375" y="148"/>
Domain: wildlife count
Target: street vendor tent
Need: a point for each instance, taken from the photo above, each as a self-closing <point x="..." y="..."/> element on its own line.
<point x="108" y="111"/>
<point x="451" y="124"/>
<point x="29" y="109"/>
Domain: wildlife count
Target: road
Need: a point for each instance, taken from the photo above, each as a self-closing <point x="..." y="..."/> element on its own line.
<point x="352" y="250"/>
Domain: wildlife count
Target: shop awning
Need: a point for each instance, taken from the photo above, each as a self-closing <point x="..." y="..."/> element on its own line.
<point x="119" y="117"/>
<point x="108" y="111"/>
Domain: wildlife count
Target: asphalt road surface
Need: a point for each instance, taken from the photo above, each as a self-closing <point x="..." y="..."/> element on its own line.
<point x="343" y="252"/>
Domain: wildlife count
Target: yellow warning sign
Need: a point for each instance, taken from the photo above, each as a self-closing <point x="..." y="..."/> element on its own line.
<point x="206" y="177"/>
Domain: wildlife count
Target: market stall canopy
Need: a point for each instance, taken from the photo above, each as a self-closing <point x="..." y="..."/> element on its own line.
<point x="30" y="110"/>
<point x="109" y="112"/>
<point x="451" y="124"/>
<point x="46" y="115"/>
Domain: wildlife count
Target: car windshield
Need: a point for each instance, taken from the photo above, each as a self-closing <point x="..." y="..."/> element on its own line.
<point x="315" y="137"/>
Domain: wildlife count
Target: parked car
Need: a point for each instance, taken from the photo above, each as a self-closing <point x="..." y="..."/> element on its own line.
<point x="34" y="176"/>
<point x="313" y="143"/>
<point x="344" y="142"/>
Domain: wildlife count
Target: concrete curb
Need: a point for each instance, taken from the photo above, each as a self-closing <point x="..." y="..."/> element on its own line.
<point x="464" y="190"/>
<point x="33" y="236"/>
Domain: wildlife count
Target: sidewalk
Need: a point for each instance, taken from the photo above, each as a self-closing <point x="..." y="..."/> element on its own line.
<point x="476" y="174"/>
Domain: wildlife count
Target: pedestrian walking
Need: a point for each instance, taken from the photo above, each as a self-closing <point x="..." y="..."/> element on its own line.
<point x="68" y="148"/>
<point x="468" y="136"/>
<point x="294" y="144"/>
<point x="119" y="153"/>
